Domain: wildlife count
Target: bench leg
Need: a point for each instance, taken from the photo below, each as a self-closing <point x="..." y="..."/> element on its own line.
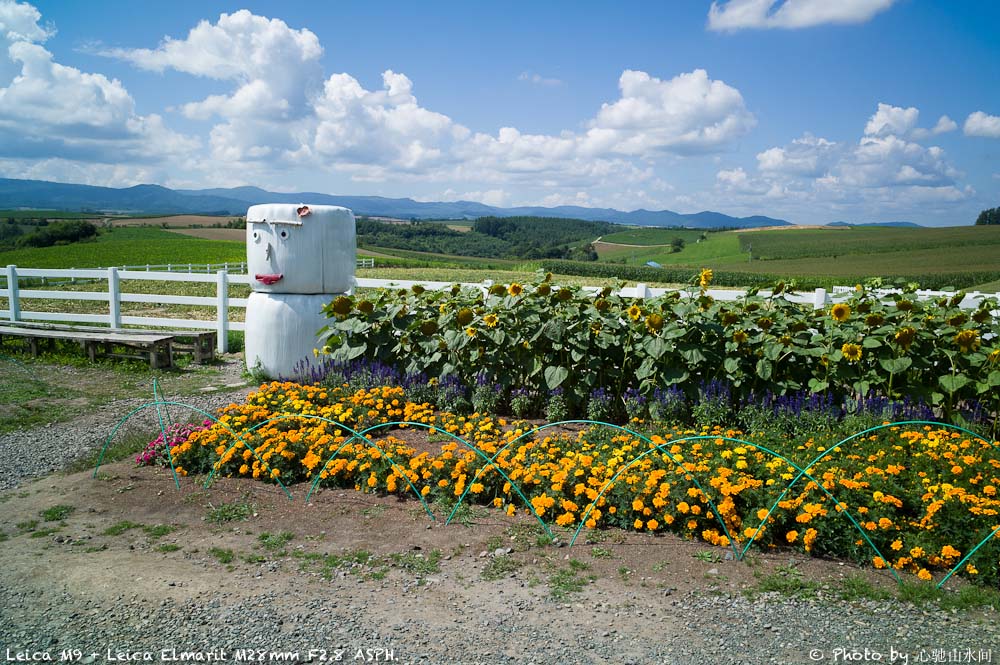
<point x="91" y="351"/>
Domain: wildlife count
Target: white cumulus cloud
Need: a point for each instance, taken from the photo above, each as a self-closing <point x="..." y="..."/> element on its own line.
<point x="688" y="113"/>
<point x="50" y="110"/>
<point x="982" y="124"/>
<point x="807" y="156"/>
<point x="743" y="14"/>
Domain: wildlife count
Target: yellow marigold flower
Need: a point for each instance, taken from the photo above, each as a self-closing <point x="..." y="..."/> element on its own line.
<point x="884" y="522"/>
<point x="917" y="552"/>
<point x="791" y="536"/>
<point x="762" y="513"/>
<point x="491" y="320"/>
<point x="878" y="562"/>
<point x="634" y="312"/>
<point x="852" y="352"/>
<point x="652" y="525"/>
<point x="972" y="570"/>
<point x="950" y="552"/>
<point x="924" y="575"/>
<point x="967" y="340"/>
<point x="705" y="277"/>
<point x="515" y="289"/>
<point x="840" y="312"/>
<point x="897" y="545"/>
<point x="637" y="524"/>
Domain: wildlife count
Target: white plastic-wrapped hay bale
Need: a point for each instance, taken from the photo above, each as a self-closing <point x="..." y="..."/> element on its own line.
<point x="299" y="258"/>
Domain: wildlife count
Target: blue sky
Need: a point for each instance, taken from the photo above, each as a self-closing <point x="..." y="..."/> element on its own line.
<point x="808" y="110"/>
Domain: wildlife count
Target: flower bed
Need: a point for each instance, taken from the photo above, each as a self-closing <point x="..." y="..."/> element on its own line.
<point x="921" y="496"/>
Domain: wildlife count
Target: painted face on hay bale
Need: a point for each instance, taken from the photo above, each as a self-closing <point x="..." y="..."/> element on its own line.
<point x="300" y="249"/>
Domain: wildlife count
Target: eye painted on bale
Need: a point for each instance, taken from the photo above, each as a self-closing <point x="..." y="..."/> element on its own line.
<point x="283" y="234"/>
<point x="256" y="236"/>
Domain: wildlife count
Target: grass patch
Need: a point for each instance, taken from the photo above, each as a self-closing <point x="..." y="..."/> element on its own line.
<point x="919" y="593"/>
<point x="566" y="581"/>
<point x="787" y="581"/>
<point x="27" y="525"/>
<point x="120" y="528"/>
<point x="499" y="567"/>
<point x="3" y="536"/>
<point x="167" y="547"/>
<point x="416" y="562"/>
<point x="237" y="511"/>
<point x="158" y="531"/>
<point x="708" y="556"/>
<point x="601" y="553"/>
<point x="251" y="557"/>
<point x="41" y="533"/>
<point x="969" y="597"/>
<point x="223" y="555"/>
<point x="57" y="513"/>
<point x="276" y="541"/>
<point x="856" y="587"/>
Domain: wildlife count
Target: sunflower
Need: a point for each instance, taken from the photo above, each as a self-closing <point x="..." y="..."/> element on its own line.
<point x="705" y="278"/>
<point x="464" y="317"/>
<point x="967" y="340"/>
<point x="471" y="332"/>
<point x="740" y="336"/>
<point x="491" y="320"/>
<point x="515" y="289"/>
<point x="994" y="356"/>
<point x="840" y="312"/>
<point x="429" y="327"/>
<point x="904" y="337"/>
<point x="366" y="306"/>
<point x="417" y="289"/>
<point x="904" y="305"/>
<point x="634" y="312"/>
<point x="729" y="318"/>
<point x="765" y="323"/>
<point x="341" y="306"/>
<point x="874" y="320"/>
<point x="497" y="290"/>
<point x="543" y="289"/>
<point x="601" y="305"/>
<point x="957" y="320"/>
<point x="654" y="323"/>
<point x="852" y="352"/>
<point x="564" y="294"/>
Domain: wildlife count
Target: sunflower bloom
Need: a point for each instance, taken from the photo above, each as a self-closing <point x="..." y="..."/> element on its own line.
<point x="515" y="289"/>
<point x="840" y="312"/>
<point x="491" y="320"/>
<point x="904" y="337"/>
<point x="634" y="312"/>
<point x="852" y="352"/>
<point x="705" y="278"/>
<point x="967" y="340"/>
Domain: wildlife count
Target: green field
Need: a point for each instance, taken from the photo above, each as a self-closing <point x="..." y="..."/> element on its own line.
<point x="805" y="243"/>
<point x="128" y="246"/>
<point x="847" y="255"/>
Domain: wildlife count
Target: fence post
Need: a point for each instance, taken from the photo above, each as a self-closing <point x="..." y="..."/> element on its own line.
<point x="642" y="291"/>
<point x="819" y="299"/>
<point x="12" y="298"/>
<point x="487" y="284"/>
<point x="114" y="299"/>
<point x="222" y="311"/>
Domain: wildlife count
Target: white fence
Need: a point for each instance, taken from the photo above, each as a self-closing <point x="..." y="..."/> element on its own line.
<point x="113" y="297"/>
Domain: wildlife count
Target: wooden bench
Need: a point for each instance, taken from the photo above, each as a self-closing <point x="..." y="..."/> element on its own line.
<point x="157" y="346"/>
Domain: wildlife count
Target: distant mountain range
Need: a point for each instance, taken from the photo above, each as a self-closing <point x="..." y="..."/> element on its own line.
<point x="154" y="199"/>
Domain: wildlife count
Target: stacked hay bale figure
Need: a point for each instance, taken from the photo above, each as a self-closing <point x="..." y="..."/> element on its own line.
<point x="299" y="258"/>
